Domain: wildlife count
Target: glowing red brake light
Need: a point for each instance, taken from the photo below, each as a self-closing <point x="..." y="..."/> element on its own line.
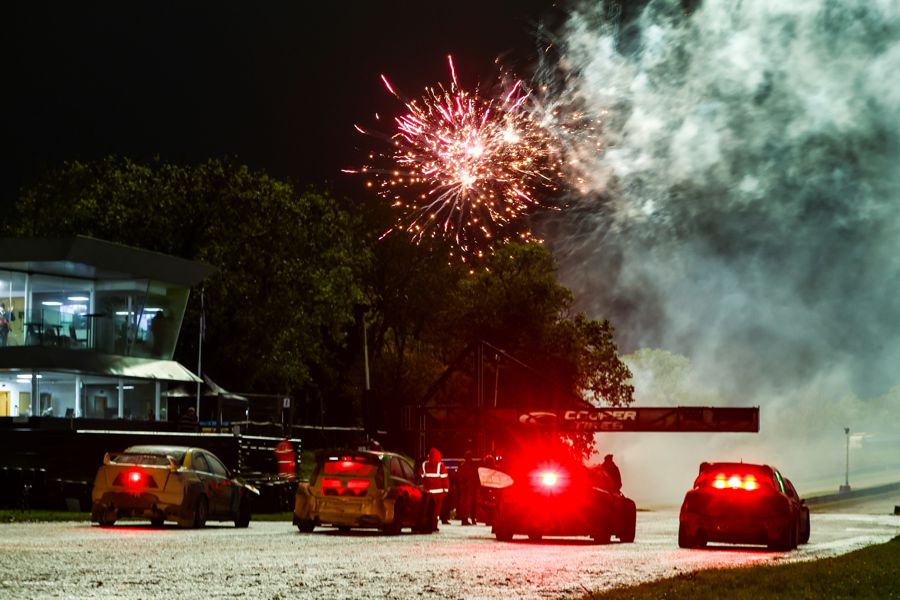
<point x="735" y="482"/>
<point x="337" y="487"/>
<point x="134" y="479"/>
<point x="549" y="479"/>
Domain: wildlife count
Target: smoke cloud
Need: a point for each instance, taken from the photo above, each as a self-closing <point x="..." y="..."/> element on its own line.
<point x="743" y="216"/>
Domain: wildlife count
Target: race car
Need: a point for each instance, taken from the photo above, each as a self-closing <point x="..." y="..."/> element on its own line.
<point x="743" y="503"/>
<point x="364" y="489"/>
<point x="169" y="483"/>
<point x="562" y="497"/>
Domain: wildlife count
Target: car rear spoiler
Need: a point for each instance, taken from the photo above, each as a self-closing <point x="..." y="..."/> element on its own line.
<point x="109" y="456"/>
<point x="365" y="456"/>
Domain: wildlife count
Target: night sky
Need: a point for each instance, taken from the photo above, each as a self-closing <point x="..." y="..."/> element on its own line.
<point x="277" y="86"/>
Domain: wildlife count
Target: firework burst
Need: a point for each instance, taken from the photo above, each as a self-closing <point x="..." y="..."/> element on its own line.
<point x="467" y="168"/>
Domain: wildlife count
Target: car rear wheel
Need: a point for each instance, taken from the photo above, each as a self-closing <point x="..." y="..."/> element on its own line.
<point x="601" y="532"/>
<point x="428" y="522"/>
<point x="629" y="523"/>
<point x="201" y="512"/>
<point x="306" y="525"/>
<point x="684" y="538"/>
<point x="503" y="534"/>
<point x="787" y="540"/>
<point x="395" y="526"/>
<point x="804" y="528"/>
<point x="243" y="518"/>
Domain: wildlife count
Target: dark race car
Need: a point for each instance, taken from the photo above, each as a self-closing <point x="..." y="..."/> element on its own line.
<point x="742" y="503"/>
<point x="562" y="497"/>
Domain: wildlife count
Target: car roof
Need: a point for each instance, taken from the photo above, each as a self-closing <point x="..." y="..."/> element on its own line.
<point x="158" y="449"/>
<point x="706" y="467"/>
<point x="372" y="455"/>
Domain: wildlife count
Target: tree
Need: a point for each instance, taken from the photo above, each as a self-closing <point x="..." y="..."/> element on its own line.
<point x="518" y="305"/>
<point x="431" y="314"/>
<point x="280" y="304"/>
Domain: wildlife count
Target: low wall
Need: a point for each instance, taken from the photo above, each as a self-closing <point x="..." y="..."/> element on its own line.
<point x="853" y="494"/>
<point x="51" y="464"/>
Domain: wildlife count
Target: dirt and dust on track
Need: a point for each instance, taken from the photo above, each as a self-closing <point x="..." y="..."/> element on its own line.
<point x="274" y="560"/>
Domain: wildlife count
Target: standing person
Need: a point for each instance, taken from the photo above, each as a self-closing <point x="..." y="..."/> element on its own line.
<point x="436" y="480"/>
<point x="4" y="324"/>
<point x="188" y="421"/>
<point x="285" y="458"/>
<point x="612" y="471"/>
<point x="467" y="495"/>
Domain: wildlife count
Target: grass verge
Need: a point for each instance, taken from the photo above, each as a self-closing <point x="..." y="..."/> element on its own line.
<point x="38" y="516"/>
<point x="870" y="573"/>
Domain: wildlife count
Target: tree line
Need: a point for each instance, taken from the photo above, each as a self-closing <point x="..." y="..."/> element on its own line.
<point x="303" y="275"/>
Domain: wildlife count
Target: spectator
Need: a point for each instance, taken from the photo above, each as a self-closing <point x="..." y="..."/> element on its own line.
<point x="188" y="421"/>
<point x="436" y="480"/>
<point x="467" y="497"/>
<point x="612" y="472"/>
<point x="5" y="318"/>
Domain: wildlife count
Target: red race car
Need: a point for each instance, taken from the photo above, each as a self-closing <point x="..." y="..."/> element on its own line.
<point x="741" y="503"/>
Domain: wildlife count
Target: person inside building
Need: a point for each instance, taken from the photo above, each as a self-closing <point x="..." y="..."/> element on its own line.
<point x="188" y="420"/>
<point x="5" y="318"/>
<point x="612" y="473"/>
<point x="436" y="480"/>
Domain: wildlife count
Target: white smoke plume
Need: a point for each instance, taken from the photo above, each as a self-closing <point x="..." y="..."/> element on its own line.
<point x="743" y="214"/>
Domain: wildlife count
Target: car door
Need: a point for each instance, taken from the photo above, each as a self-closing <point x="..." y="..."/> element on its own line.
<point x="415" y="492"/>
<point x="212" y="485"/>
<point x="228" y="491"/>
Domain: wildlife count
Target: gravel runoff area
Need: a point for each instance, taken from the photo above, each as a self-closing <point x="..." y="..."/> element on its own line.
<point x="274" y="560"/>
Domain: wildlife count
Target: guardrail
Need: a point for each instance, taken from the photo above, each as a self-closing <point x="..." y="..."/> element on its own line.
<point x="853" y="494"/>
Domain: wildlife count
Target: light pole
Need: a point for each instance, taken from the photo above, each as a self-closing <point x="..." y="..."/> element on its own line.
<point x="846" y="486"/>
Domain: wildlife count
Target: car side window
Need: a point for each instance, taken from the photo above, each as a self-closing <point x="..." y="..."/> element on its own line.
<point x="198" y="463"/>
<point x="216" y="466"/>
<point x="779" y="482"/>
<point x="396" y="468"/>
<point x="408" y="472"/>
<point x="791" y="490"/>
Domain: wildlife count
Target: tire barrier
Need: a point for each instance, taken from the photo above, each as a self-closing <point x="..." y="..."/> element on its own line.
<point x="23" y="488"/>
<point x="275" y="496"/>
<point x="69" y="495"/>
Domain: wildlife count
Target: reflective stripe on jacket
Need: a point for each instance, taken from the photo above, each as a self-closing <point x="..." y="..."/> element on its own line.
<point x="435" y="478"/>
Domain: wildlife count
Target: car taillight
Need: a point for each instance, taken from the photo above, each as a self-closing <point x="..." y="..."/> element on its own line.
<point x="330" y="485"/>
<point x="358" y="485"/>
<point x="549" y="479"/>
<point x="353" y="487"/>
<point x="735" y="482"/>
<point x="134" y="479"/>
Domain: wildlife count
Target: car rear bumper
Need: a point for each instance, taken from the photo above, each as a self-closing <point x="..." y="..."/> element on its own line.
<point x="735" y="530"/>
<point x="127" y="504"/>
<point x="549" y="518"/>
<point x="347" y="512"/>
